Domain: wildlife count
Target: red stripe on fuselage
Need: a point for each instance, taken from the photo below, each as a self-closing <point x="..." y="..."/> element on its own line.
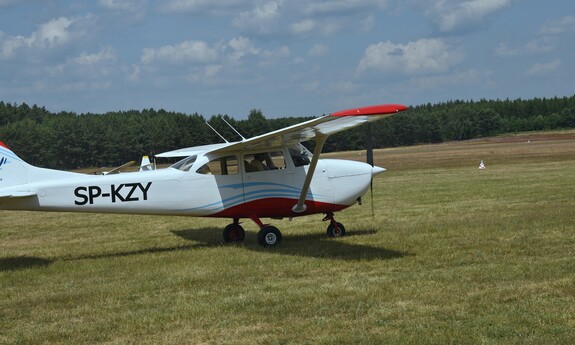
<point x="276" y="207"/>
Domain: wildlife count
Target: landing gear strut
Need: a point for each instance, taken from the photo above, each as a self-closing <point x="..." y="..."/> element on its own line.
<point x="234" y="232"/>
<point x="334" y="229"/>
<point x="270" y="236"/>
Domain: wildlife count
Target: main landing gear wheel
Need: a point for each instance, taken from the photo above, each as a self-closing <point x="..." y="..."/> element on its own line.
<point x="269" y="236"/>
<point x="234" y="233"/>
<point x="335" y="230"/>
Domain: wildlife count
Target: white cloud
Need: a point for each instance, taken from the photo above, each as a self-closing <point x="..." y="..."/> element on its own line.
<point x="184" y="52"/>
<point x="536" y="46"/>
<point x="544" y="68"/>
<point x="207" y="75"/>
<point x="453" y="15"/>
<point x="212" y="70"/>
<point x="298" y="60"/>
<point x="328" y="18"/>
<point x="342" y="6"/>
<point x="84" y="67"/>
<point x="558" y="27"/>
<point x="104" y="55"/>
<point x="11" y="45"/>
<point x="136" y="72"/>
<point x="196" y="61"/>
<point x="219" y="7"/>
<point x="319" y="50"/>
<point x="241" y="47"/>
<point x="54" y="33"/>
<point x="414" y="58"/>
<point x="95" y="65"/>
<point x="368" y="23"/>
<point x="311" y="86"/>
<point x="546" y="41"/>
<point x="124" y="5"/>
<point x="275" y="54"/>
<point x="262" y="18"/>
<point x="4" y="3"/>
<point x="303" y="27"/>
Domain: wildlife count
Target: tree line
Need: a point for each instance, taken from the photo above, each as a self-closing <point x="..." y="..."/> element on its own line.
<point x="67" y="140"/>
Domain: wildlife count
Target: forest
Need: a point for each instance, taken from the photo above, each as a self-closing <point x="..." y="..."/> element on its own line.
<point x="67" y="140"/>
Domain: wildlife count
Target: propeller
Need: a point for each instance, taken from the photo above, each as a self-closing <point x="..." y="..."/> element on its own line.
<point x="369" y="157"/>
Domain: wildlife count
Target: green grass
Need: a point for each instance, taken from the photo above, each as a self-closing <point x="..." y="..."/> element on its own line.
<point x="453" y="255"/>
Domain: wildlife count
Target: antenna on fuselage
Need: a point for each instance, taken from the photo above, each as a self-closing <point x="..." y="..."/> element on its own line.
<point x="238" y="133"/>
<point x="213" y="129"/>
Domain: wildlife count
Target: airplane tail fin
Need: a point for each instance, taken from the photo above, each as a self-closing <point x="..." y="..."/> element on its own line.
<point x="13" y="170"/>
<point x="16" y="172"/>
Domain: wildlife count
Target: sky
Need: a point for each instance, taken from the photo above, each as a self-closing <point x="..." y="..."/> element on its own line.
<point x="284" y="57"/>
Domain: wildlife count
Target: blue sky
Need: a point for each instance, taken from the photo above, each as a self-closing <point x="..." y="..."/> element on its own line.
<point x="285" y="57"/>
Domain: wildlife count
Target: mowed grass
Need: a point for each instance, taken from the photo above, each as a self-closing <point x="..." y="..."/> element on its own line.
<point x="452" y="255"/>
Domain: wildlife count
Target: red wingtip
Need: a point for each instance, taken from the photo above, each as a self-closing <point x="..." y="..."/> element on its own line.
<point x="372" y="110"/>
<point x="4" y="145"/>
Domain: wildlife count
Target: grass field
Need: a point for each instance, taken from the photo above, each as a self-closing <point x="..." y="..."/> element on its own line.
<point x="454" y="255"/>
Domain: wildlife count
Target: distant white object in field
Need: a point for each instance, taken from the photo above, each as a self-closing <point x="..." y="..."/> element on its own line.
<point x="481" y="165"/>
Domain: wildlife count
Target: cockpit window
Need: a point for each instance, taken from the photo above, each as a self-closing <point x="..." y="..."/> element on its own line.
<point x="185" y="164"/>
<point x="299" y="155"/>
<point x="220" y="166"/>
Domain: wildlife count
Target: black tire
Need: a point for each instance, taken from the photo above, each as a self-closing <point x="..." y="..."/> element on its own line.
<point x="234" y="233"/>
<point x="269" y="236"/>
<point x="333" y="231"/>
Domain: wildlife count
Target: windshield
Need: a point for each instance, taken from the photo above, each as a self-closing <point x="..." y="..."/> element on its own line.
<point x="185" y="164"/>
<point x="300" y="155"/>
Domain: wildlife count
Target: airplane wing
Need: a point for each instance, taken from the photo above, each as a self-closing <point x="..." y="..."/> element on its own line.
<point x="321" y="126"/>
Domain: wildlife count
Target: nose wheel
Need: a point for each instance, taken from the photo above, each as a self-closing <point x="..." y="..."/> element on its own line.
<point x="334" y="229"/>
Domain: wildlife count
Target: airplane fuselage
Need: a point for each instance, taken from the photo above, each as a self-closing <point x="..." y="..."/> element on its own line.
<point x="337" y="184"/>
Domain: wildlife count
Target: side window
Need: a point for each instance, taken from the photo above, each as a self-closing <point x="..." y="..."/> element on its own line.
<point x="264" y="161"/>
<point x="221" y="166"/>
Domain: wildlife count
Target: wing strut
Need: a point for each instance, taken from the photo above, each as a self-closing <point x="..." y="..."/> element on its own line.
<point x="319" y="141"/>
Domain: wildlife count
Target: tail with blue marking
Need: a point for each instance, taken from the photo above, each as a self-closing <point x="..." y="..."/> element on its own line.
<point x="13" y="170"/>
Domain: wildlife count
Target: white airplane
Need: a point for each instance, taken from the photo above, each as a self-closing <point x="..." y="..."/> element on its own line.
<point x="267" y="176"/>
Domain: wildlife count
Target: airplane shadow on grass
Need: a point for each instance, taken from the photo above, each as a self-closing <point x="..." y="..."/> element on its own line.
<point x="309" y="245"/>
<point x="22" y="262"/>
